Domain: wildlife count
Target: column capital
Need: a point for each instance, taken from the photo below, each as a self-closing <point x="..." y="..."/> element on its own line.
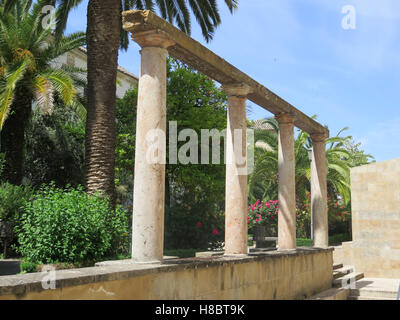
<point x="153" y="38"/>
<point x="319" y="137"/>
<point x="237" y="89"/>
<point x="284" y="118"/>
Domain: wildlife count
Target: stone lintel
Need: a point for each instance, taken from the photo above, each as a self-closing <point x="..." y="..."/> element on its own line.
<point x="204" y="60"/>
<point x="240" y="90"/>
<point x="319" y="137"/>
<point x="285" y="118"/>
<point x="153" y="38"/>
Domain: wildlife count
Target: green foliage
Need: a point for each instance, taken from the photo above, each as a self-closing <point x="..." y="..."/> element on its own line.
<point x="26" y="59"/>
<point x="125" y="112"/>
<point x="194" y="192"/>
<point x="301" y="242"/>
<point x="181" y="253"/>
<point x="263" y="182"/>
<point x="264" y="214"/>
<point x="12" y="199"/>
<point x="28" y="266"/>
<point x="337" y="239"/>
<point x="70" y="226"/>
<point x="193" y="226"/>
<point x="357" y="156"/>
<point x="2" y="162"/>
<point x="55" y="148"/>
<point x="303" y="223"/>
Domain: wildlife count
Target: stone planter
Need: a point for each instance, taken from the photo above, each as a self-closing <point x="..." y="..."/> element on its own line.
<point x="259" y="232"/>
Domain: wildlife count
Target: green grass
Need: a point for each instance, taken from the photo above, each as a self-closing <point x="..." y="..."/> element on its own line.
<point x="334" y="240"/>
<point x="304" y="242"/>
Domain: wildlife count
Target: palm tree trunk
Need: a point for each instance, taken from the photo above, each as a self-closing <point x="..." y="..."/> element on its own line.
<point x="103" y="37"/>
<point x="12" y="136"/>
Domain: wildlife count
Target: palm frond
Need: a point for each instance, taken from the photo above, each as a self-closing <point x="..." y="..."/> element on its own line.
<point x="7" y="89"/>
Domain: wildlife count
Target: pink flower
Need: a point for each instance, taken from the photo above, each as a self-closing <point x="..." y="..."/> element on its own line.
<point x="257" y="202"/>
<point x="253" y="207"/>
<point x="198" y="224"/>
<point x="215" y="232"/>
<point x="267" y="205"/>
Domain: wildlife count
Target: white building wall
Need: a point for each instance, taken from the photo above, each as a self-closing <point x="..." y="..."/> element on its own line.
<point x="78" y="58"/>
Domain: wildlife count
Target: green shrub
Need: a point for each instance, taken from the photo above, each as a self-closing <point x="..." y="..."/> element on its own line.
<point x="27" y="266"/>
<point x="12" y="199"/>
<point x="195" y="226"/>
<point x="70" y="226"/>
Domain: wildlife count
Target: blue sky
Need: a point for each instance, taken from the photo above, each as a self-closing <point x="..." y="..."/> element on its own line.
<point x="299" y="50"/>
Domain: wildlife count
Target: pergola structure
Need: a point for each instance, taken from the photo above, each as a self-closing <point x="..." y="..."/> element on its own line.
<point x="158" y="38"/>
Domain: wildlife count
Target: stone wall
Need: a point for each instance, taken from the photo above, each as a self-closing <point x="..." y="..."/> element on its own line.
<point x="375" y="249"/>
<point x="272" y="275"/>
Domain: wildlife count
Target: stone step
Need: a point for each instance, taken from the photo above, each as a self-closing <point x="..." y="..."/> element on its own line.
<point x="337" y="266"/>
<point x="346" y="280"/>
<point x="369" y="298"/>
<point x="332" y="294"/>
<point x="339" y="273"/>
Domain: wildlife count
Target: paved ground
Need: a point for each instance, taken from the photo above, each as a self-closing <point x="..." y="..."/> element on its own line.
<point x="9" y="266"/>
<point x="376" y="289"/>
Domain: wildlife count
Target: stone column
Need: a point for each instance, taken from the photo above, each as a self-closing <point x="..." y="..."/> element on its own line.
<point x="149" y="179"/>
<point x="287" y="190"/>
<point x="319" y="207"/>
<point x="236" y="207"/>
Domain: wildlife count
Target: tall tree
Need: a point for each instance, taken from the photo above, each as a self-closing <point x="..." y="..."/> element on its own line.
<point x="104" y="35"/>
<point x="27" y="75"/>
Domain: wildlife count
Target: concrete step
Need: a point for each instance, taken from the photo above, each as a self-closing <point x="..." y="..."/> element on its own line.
<point x="339" y="273"/>
<point x="346" y="280"/>
<point x="337" y="266"/>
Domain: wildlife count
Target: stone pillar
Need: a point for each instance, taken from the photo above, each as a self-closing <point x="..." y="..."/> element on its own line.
<point x="287" y="190"/>
<point x="236" y="207"/>
<point x="319" y="207"/>
<point x="149" y="179"/>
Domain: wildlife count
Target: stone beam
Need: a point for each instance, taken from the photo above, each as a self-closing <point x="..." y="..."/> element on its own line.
<point x="202" y="59"/>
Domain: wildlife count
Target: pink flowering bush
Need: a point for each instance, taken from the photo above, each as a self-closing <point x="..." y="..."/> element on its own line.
<point x="339" y="216"/>
<point x="263" y="214"/>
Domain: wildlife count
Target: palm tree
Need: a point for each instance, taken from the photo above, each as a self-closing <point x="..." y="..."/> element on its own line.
<point x="27" y="50"/>
<point x="104" y="35"/>
<point x="263" y="182"/>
